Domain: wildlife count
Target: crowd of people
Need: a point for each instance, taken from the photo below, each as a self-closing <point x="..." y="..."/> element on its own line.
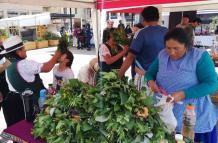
<point x="189" y="26"/>
<point x="80" y="37"/>
<point x="165" y="59"/>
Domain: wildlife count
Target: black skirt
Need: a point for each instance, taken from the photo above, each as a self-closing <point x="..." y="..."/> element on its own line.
<point x="13" y="108"/>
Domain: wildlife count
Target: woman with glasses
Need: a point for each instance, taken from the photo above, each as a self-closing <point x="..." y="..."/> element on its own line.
<point x="189" y="76"/>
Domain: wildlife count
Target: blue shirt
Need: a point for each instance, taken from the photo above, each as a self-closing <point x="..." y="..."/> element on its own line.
<point x="147" y="43"/>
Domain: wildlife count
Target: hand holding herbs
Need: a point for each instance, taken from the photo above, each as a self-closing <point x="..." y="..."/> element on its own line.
<point x="112" y="112"/>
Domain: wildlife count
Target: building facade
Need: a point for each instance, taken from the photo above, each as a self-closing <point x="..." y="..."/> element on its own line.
<point x="8" y="10"/>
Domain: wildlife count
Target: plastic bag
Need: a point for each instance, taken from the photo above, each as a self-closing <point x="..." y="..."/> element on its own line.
<point x="166" y="114"/>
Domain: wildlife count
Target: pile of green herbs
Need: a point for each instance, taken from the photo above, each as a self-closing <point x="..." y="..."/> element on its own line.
<point x="107" y="114"/>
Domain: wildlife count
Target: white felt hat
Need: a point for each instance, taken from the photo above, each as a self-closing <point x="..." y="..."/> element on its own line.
<point x="11" y="44"/>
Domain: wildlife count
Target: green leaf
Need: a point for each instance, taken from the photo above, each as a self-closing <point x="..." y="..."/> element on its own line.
<point x="131" y="100"/>
<point x="59" y="140"/>
<point x="124" y="98"/>
<point x="116" y="107"/>
<point x="130" y="125"/>
<point x="128" y="107"/>
<point x="101" y="118"/>
<point x="148" y="101"/>
<point x="109" y="76"/>
<point x="57" y="111"/>
<point x="86" y="127"/>
<point x="126" y="118"/>
<point x="77" y="128"/>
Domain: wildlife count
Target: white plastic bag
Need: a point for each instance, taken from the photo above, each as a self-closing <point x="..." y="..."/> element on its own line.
<point x="166" y="114"/>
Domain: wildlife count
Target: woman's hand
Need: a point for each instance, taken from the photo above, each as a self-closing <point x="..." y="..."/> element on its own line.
<point x="57" y="55"/>
<point x="152" y="84"/>
<point x="178" y="96"/>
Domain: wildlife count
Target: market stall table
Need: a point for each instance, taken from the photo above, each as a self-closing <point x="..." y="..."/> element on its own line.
<point x="20" y="132"/>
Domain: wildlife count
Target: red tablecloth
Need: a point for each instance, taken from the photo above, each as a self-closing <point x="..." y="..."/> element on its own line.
<point x="21" y="132"/>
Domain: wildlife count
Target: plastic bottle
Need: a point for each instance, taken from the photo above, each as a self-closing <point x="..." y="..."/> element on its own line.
<point x="189" y="120"/>
<point x="42" y="99"/>
<point x="179" y="138"/>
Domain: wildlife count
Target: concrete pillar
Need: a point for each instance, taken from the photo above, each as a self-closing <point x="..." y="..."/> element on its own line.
<point x="160" y="13"/>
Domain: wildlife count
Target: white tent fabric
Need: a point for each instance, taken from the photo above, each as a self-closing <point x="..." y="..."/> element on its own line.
<point x="96" y="28"/>
<point x="26" y="20"/>
<point x="55" y="3"/>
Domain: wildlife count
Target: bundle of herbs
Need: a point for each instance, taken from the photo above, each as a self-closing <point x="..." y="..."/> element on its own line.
<point x="112" y="112"/>
<point x="120" y="37"/>
<point x="63" y="43"/>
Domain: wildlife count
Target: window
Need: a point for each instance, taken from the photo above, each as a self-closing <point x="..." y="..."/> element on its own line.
<point x="65" y="10"/>
<point x="36" y="12"/>
<point x="113" y="16"/>
<point x="126" y="14"/>
<point x="1" y="14"/>
<point x="129" y="16"/>
<point x="76" y="11"/>
<point x="23" y="13"/>
<point x="46" y="9"/>
<point x="12" y="13"/>
<point x="89" y="13"/>
<point x="209" y="24"/>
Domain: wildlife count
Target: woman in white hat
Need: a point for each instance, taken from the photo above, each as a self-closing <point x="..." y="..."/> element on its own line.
<point x="23" y="74"/>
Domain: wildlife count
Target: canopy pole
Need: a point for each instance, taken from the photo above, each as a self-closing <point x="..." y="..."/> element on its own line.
<point x="132" y="19"/>
<point x="71" y="25"/>
<point x="19" y="33"/>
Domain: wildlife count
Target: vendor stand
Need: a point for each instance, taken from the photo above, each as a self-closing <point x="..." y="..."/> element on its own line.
<point x="20" y="132"/>
<point x="90" y="114"/>
<point x="30" y="27"/>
